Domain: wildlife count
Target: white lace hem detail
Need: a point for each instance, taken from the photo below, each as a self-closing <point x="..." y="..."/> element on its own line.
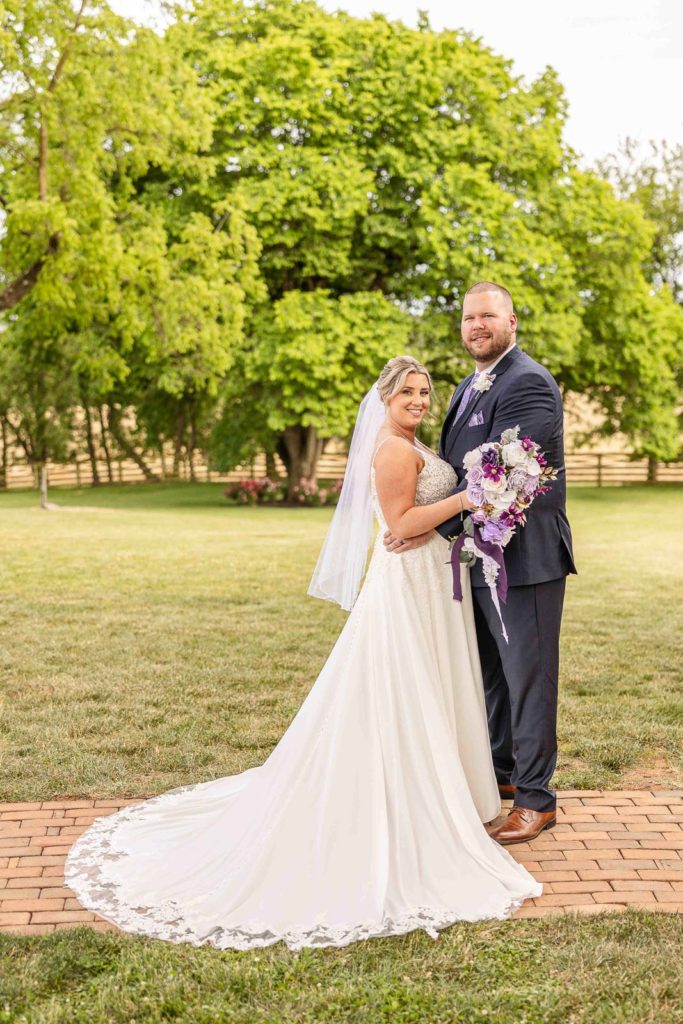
<point x="86" y="874"/>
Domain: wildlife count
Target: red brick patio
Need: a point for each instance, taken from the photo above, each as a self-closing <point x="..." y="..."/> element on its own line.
<point x="609" y="851"/>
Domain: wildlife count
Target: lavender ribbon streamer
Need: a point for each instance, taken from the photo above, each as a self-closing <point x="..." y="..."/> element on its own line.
<point x="455" y="566"/>
<point x="487" y="548"/>
<point x="496" y="553"/>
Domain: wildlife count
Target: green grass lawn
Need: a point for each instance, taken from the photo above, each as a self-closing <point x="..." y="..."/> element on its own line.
<point x="153" y="636"/>
<point x="617" y="969"/>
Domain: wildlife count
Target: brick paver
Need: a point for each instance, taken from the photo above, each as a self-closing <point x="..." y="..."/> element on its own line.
<point x="608" y="851"/>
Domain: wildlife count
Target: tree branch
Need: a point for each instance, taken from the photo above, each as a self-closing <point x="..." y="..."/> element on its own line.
<point x="52" y="84"/>
<point x="57" y="73"/>
<point x="15" y="291"/>
<point x="42" y="158"/>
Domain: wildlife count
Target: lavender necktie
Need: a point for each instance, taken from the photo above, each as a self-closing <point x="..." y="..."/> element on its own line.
<point x="464" y="401"/>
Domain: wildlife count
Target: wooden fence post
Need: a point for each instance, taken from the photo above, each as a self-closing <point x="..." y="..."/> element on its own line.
<point x="599" y="469"/>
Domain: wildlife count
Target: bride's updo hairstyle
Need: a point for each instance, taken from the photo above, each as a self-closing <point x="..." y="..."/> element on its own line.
<point x="395" y="373"/>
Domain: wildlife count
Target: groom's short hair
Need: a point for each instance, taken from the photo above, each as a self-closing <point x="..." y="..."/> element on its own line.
<point x="490" y="286"/>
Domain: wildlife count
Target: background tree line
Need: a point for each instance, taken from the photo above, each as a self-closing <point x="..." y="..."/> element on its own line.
<point x="213" y="238"/>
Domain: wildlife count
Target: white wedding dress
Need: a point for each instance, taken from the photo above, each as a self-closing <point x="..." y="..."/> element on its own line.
<point x="365" y="820"/>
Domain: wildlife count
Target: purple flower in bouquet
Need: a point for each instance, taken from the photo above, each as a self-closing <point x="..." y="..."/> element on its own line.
<point x="489" y="457"/>
<point x="475" y="480"/>
<point x="492" y="472"/>
<point x="494" y="531"/>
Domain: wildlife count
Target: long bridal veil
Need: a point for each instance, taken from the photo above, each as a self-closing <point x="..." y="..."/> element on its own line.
<point x="339" y="570"/>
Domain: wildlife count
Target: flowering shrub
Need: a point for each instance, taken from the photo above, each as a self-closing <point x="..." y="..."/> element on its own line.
<point x="308" y="492"/>
<point x="256" y="492"/>
<point x="266" y="491"/>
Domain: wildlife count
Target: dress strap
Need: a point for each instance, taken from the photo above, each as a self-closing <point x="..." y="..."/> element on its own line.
<point x="393" y="437"/>
<point x="421" y="446"/>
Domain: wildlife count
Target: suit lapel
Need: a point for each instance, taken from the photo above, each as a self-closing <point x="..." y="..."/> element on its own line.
<point x="450" y="436"/>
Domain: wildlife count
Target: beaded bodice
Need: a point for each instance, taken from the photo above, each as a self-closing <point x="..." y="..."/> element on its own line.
<point x="436" y="480"/>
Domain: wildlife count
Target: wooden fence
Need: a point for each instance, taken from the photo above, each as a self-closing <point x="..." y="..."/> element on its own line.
<point x="600" y="468"/>
<point x="603" y="468"/>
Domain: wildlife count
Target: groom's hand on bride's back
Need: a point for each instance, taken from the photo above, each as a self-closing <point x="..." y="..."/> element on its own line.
<point x="397" y="546"/>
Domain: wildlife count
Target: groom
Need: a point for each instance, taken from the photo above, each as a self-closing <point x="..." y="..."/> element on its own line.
<point x="510" y="389"/>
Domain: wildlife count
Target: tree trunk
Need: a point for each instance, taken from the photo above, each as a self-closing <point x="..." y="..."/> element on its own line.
<point x="92" y="448"/>
<point x="652" y="467"/>
<point x="271" y="468"/>
<point x="31" y="447"/>
<point x="127" y="448"/>
<point x="3" y="462"/>
<point x="191" y="444"/>
<point x="303" y="448"/>
<point x="178" y="442"/>
<point x="105" y="445"/>
<point x="44" y="503"/>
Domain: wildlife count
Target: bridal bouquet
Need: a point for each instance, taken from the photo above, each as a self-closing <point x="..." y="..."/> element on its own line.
<point x="503" y="478"/>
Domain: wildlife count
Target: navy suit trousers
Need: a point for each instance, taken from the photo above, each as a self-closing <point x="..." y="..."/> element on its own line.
<point x="520" y="686"/>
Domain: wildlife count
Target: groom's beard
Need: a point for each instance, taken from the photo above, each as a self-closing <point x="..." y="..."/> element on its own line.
<point x="498" y="341"/>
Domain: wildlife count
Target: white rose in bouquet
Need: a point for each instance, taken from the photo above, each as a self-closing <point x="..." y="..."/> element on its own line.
<point x="517" y="478"/>
<point x="502" y="500"/>
<point x="471" y="459"/>
<point x="514" y="455"/>
<point x="493" y="486"/>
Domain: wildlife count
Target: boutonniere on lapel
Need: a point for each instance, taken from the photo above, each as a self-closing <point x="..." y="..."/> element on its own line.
<point x="484" y="381"/>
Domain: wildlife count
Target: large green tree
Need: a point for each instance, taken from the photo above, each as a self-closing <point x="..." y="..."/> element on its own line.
<point x="312" y="355"/>
<point x="90" y="102"/>
<point x="129" y="293"/>
<point x="652" y="176"/>
<point x="251" y="213"/>
<point x="373" y="157"/>
<point x="370" y="158"/>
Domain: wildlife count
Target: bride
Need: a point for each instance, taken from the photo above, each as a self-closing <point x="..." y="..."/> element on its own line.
<point x="366" y="819"/>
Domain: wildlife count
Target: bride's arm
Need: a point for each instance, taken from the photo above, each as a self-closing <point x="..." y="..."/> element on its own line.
<point x="396" y="470"/>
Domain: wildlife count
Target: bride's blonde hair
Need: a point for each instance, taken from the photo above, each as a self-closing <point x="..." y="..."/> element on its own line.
<point x="396" y="372"/>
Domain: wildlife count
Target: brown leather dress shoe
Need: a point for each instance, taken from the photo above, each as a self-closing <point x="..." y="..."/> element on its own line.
<point x="523" y="824"/>
<point x="506" y="792"/>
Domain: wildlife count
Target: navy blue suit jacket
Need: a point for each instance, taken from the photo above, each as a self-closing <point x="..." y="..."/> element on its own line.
<point x="523" y="394"/>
